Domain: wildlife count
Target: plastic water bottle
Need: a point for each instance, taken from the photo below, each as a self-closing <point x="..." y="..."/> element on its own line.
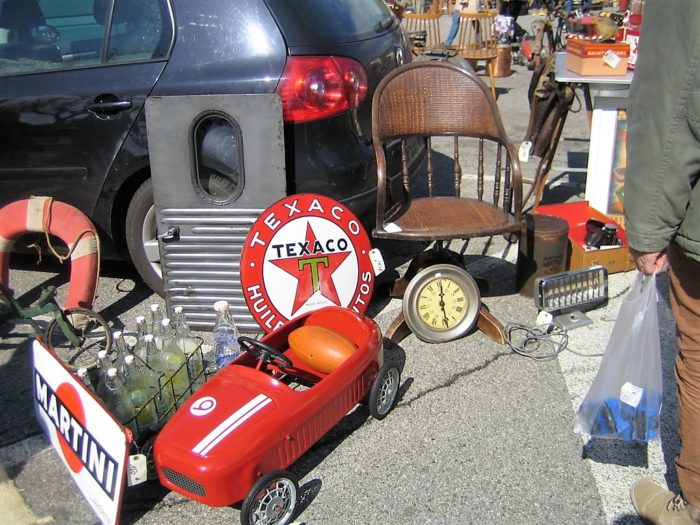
<point x="225" y="336"/>
<point x="174" y="360"/>
<point x="140" y="392"/>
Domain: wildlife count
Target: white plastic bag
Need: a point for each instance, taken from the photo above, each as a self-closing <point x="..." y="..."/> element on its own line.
<point x="624" y="401"/>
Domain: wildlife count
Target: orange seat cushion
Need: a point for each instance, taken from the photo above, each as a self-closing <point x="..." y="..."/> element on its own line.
<point x="320" y="348"/>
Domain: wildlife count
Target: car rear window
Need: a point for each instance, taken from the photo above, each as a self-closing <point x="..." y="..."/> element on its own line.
<point x="305" y="22"/>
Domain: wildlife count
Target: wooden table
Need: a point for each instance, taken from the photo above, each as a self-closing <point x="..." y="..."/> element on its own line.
<point x="605" y="97"/>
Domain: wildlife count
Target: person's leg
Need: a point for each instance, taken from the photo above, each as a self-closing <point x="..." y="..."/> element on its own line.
<point x="454" y="28"/>
<point x="685" y="303"/>
<point x="651" y="501"/>
<point x="514" y="8"/>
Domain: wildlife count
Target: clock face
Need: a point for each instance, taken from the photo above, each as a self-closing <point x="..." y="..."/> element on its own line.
<point x="441" y="303"/>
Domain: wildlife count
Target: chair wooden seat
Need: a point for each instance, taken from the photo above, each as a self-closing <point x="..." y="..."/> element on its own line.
<point x="445" y="218"/>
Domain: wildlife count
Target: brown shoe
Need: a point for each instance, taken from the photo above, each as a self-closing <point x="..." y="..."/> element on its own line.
<point x="659" y="506"/>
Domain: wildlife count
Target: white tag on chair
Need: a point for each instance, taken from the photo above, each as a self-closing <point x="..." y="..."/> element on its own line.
<point x="375" y="256"/>
<point x="524" y="151"/>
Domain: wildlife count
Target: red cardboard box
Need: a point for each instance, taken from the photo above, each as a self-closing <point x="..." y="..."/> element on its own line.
<point x="581" y="256"/>
<point x="591" y="57"/>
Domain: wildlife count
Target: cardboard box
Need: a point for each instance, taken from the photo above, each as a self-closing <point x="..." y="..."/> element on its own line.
<point x="591" y="57"/>
<point x="581" y="256"/>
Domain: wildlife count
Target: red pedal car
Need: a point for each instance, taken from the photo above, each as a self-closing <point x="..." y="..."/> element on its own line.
<point x="234" y="437"/>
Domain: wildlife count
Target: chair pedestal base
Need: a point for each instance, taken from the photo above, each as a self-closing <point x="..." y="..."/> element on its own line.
<point x="487" y="323"/>
<point x="398" y="329"/>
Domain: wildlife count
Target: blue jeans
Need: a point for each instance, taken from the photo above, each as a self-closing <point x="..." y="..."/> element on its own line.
<point x="454" y="28"/>
<point x="585" y="5"/>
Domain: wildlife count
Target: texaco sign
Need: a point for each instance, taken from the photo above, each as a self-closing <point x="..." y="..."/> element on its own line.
<point x="305" y="252"/>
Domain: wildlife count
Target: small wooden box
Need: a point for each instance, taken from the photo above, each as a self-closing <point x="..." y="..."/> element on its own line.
<point x="590" y="57"/>
<point x="576" y="214"/>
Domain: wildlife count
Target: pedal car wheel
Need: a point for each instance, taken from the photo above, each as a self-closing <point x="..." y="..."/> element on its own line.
<point x="383" y="392"/>
<point x="264" y="352"/>
<point x="91" y="332"/>
<point x="272" y="500"/>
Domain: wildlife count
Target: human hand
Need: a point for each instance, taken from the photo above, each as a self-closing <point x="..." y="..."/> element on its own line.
<point x="650" y="262"/>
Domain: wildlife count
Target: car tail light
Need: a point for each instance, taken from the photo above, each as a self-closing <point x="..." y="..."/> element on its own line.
<point x="315" y="87"/>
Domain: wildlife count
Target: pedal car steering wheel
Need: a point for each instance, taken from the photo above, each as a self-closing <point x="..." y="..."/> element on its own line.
<point x="264" y="352"/>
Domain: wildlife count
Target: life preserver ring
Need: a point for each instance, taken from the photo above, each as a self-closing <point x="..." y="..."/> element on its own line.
<point x="45" y="215"/>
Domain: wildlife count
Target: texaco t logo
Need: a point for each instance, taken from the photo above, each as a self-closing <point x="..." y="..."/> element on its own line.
<point x="305" y="252"/>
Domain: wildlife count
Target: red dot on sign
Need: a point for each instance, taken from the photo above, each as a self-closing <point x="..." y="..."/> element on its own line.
<point x="71" y="400"/>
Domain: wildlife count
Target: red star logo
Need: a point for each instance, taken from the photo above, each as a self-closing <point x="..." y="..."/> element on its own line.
<point x="313" y="272"/>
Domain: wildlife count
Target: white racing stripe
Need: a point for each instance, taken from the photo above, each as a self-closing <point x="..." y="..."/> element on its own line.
<point x="232" y="422"/>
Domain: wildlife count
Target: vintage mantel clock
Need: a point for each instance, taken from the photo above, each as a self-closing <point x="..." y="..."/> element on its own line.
<point x="441" y="303"/>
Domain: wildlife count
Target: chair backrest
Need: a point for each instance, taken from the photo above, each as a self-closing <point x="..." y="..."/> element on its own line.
<point x="476" y="39"/>
<point x="422" y="22"/>
<point x="438" y="99"/>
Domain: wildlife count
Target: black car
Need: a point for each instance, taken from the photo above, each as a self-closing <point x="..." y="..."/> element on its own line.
<point x="75" y="74"/>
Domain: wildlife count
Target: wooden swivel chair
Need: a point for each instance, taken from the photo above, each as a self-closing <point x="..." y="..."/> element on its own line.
<point x="476" y="42"/>
<point x="450" y="204"/>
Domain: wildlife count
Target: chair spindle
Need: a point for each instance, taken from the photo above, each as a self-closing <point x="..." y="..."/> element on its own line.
<point x="480" y="172"/>
<point x="497" y="176"/>
<point x="404" y="165"/>
<point x="457" y="169"/>
<point x="430" y="167"/>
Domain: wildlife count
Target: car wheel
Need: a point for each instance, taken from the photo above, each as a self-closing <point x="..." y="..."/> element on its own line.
<point x="272" y="500"/>
<point x="141" y="237"/>
<point x="383" y="392"/>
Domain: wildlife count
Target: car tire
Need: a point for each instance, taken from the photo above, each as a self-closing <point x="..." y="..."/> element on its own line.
<point x="272" y="499"/>
<point x="384" y="390"/>
<point x="141" y="237"/>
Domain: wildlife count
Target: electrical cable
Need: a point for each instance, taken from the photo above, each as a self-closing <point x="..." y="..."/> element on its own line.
<point x="541" y="342"/>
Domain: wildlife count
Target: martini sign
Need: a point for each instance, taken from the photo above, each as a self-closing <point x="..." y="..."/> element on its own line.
<point x="305" y="252"/>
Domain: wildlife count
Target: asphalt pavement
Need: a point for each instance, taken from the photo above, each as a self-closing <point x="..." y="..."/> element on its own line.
<point x="480" y="434"/>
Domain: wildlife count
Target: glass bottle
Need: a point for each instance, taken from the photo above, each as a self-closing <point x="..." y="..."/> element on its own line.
<point x="117" y="400"/>
<point x="186" y="340"/>
<point x="103" y="365"/>
<point x="141" y="330"/>
<point x="84" y="377"/>
<point x="174" y="360"/>
<point x="225" y="336"/>
<point x="156" y="317"/>
<point x="141" y="391"/>
<point x="165" y="400"/>
<point x="121" y="348"/>
<point x="189" y="345"/>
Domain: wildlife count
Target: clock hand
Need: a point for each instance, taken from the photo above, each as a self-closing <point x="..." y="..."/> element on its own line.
<point x="445" y="320"/>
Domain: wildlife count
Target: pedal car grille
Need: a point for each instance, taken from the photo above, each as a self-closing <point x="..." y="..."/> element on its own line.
<point x="184" y="482"/>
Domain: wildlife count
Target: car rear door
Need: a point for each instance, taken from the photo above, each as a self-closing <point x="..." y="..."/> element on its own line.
<point x="217" y="162"/>
<point x="67" y="100"/>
